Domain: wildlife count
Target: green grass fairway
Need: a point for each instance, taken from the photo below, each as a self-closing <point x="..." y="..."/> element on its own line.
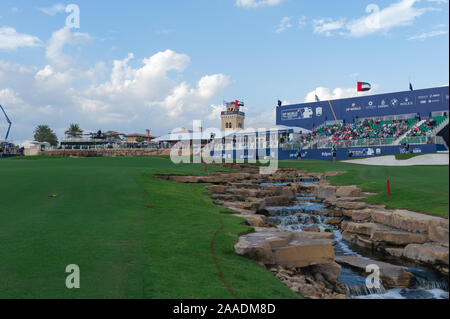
<point x="418" y="188"/>
<point x="100" y="221"/>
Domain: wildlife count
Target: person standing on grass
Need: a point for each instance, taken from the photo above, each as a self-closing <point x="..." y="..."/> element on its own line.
<point x="299" y="154"/>
<point x="334" y="152"/>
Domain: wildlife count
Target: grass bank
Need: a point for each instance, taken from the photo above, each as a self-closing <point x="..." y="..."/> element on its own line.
<point x="133" y="236"/>
<point x="418" y="188"/>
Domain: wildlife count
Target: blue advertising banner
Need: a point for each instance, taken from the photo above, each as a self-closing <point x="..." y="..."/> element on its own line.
<point x="326" y="153"/>
<point x="360" y="152"/>
<point x="311" y="115"/>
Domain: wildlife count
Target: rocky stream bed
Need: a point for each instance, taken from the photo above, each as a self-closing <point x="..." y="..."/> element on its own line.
<point x="318" y="239"/>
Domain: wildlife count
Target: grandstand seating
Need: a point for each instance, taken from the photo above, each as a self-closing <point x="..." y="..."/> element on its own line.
<point x="374" y="132"/>
<point x="421" y="134"/>
<point x="362" y="133"/>
<point x="427" y="126"/>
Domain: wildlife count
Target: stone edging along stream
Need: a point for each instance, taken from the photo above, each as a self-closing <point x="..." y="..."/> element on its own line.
<point x="305" y="261"/>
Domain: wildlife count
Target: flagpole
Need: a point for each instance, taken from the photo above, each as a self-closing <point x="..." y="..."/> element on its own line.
<point x="357" y="81"/>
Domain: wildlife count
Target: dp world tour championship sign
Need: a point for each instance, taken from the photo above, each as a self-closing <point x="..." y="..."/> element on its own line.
<point x="311" y="115"/>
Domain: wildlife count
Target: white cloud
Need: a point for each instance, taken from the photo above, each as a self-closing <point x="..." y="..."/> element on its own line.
<point x="257" y="3"/>
<point x="132" y="98"/>
<point x="402" y="13"/>
<point x="325" y="93"/>
<point x="14" y="10"/>
<point x="285" y="24"/>
<point x="399" y="14"/>
<point x="263" y="118"/>
<point x="9" y="96"/>
<point x="11" y="40"/>
<point x="326" y="26"/>
<point x="60" y="38"/>
<point x="191" y="101"/>
<point x="216" y="111"/>
<point x="426" y="35"/>
<point x="56" y="8"/>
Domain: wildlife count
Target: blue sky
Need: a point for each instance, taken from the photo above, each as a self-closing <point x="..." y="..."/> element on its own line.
<point x="188" y="56"/>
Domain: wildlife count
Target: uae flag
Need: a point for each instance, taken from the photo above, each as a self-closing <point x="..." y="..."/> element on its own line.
<point x="364" y="86"/>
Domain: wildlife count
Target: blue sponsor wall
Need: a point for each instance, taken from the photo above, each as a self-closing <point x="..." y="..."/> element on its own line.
<point x="8" y="155"/>
<point x="360" y="152"/>
<point x="326" y="154"/>
<point x="312" y="115"/>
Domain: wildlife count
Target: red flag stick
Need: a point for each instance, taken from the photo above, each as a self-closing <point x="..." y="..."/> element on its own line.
<point x="389" y="188"/>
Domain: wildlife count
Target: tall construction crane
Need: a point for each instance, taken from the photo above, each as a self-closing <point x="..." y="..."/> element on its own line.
<point x="7" y="120"/>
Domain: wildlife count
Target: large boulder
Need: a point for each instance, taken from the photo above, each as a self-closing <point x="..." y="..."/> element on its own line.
<point x="348" y="191"/>
<point x="343" y="204"/>
<point x="398" y="238"/>
<point x="252" y="204"/>
<point x="255" y="220"/>
<point x="278" y="200"/>
<point x="391" y="275"/>
<point x="304" y="252"/>
<point x="325" y="191"/>
<point x="361" y="228"/>
<point x="219" y="189"/>
<point x="289" y="192"/>
<point x="427" y="253"/>
<point x="270" y="229"/>
<point x="331" y="271"/>
<point x="185" y="179"/>
<point x="258" y="246"/>
<point x="312" y="235"/>
<point x="359" y="215"/>
<point x="405" y="220"/>
<point x="438" y="232"/>
<point x="242" y="192"/>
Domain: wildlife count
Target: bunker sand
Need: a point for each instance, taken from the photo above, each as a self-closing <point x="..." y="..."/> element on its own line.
<point x="428" y="159"/>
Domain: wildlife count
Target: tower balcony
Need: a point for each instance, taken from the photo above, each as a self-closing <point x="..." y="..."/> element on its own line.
<point x="224" y="113"/>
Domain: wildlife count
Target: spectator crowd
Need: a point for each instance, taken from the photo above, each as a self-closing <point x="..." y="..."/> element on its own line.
<point x="363" y="130"/>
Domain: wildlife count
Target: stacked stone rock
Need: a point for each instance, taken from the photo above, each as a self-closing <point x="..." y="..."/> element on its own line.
<point x="305" y="261"/>
<point x="399" y="233"/>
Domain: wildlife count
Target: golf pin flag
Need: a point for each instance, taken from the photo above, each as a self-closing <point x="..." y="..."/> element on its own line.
<point x="364" y="86"/>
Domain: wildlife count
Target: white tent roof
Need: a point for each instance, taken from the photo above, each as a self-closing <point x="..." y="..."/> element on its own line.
<point x="174" y="137"/>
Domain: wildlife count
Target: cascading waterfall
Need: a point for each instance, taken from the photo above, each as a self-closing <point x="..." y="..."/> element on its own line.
<point x="362" y="290"/>
<point x="306" y="213"/>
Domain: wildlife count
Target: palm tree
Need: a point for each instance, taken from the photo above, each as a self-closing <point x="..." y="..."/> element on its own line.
<point x="74" y="130"/>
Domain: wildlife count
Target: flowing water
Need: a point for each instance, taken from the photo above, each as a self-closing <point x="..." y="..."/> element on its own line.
<point x="426" y="284"/>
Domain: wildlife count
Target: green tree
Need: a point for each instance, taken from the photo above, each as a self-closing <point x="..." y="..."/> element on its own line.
<point x="74" y="130"/>
<point x="43" y="133"/>
<point x="140" y="139"/>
